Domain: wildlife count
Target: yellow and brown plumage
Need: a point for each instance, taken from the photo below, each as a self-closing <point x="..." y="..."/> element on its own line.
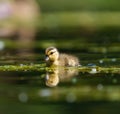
<point x="54" y="58"/>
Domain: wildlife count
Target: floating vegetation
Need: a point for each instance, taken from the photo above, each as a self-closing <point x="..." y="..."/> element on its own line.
<point x="22" y="67"/>
<point x="42" y="67"/>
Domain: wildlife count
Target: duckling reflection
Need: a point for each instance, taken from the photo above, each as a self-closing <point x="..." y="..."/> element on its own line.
<point x="60" y="75"/>
<point x="52" y="79"/>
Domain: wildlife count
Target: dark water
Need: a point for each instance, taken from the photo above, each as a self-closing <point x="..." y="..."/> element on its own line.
<point x="72" y="91"/>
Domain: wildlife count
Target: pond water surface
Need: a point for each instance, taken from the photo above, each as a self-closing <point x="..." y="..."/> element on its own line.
<point x="64" y="90"/>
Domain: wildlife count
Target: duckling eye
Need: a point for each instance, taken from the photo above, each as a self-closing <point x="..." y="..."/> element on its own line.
<point x="51" y="53"/>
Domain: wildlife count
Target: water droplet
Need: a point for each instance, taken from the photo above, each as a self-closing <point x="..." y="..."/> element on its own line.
<point x="99" y="86"/>
<point x="74" y="80"/>
<point x="93" y="71"/>
<point x="45" y="93"/>
<point x="91" y="65"/>
<point x="21" y="65"/>
<point x="70" y="97"/>
<point x="23" y="97"/>
<point x="101" y="61"/>
<point x="114" y="81"/>
<point x="113" y="59"/>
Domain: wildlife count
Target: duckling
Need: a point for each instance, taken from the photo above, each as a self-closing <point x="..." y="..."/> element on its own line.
<point x="54" y="58"/>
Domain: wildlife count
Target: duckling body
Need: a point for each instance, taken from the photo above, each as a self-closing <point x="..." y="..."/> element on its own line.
<point x="54" y="58"/>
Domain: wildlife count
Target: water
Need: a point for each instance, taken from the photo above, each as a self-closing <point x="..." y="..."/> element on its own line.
<point x="60" y="91"/>
<point x="27" y="86"/>
<point x="88" y="29"/>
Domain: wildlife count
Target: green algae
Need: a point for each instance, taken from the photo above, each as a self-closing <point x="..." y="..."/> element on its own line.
<point x="42" y="67"/>
<point x="22" y="67"/>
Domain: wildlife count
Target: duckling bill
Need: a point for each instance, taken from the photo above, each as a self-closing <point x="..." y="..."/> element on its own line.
<point x="54" y="58"/>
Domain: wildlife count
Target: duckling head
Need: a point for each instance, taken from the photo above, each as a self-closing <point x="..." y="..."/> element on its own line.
<point x="52" y="54"/>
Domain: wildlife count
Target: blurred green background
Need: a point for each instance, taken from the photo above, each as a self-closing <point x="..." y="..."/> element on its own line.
<point x="89" y="29"/>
